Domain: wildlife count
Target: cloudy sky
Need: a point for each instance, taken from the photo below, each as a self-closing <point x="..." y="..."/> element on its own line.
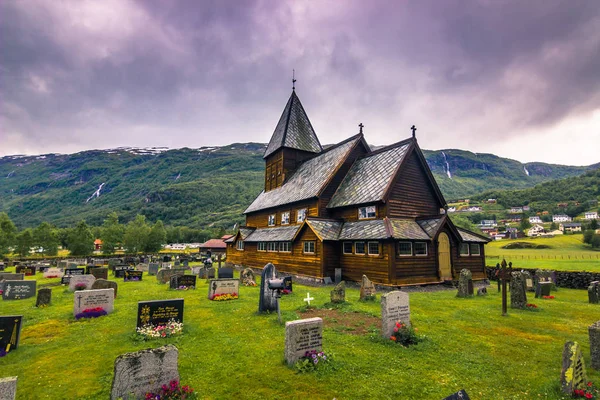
<point x="520" y="79"/>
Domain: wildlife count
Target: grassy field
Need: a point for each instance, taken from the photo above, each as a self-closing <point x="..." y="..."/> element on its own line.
<point x="229" y="351"/>
<point x="566" y="253"/>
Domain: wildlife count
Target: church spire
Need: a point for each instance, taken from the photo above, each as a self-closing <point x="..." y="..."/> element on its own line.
<point x="294" y="130"/>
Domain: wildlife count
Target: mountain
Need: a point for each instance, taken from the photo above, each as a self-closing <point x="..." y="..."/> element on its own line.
<point x="209" y="186"/>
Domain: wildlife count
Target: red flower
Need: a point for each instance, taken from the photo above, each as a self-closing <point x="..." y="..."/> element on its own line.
<point x="590" y="384"/>
<point x="588" y="396"/>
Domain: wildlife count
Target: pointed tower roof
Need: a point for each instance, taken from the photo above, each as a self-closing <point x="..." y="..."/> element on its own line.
<point x="294" y="130"/>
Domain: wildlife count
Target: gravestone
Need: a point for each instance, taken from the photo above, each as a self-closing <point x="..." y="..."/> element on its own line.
<point x="7" y="276"/>
<point x="177" y="263"/>
<point x="542" y="289"/>
<point x="465" y="284"/>
<point x="144" y="371"/>
<point x="594" y="333"/>
<point x="338" y="275"/>
<point x="152" y="268"/>
<point x="209" y="273"/>
<point x="133" y="276"/>
<point x="267" y="300"/>
<point x="142" y="267"/>
<point x="99" y="273"/>
<point x="10" y="332"/>
<point x="338" y="294"/>
<point x="25" y="270"/>
<point x="225" y="273"/>
<point x="394" y="307"/>
<point x="105" y="284"/>
<point x="186" y="263"/>
<point x="44" y="296"/>
<point x="166" y="258"/>
<point x="158" y="312"/>
<point x="18" y="290"/>
<point x="460" y="395"/>
<point x="287" y="284"/>
<point x="53" y="273"/>
<point x="594" y="292"/>
<point x="74" y="271"/>
<point x="87" y="280"/>
<point x="572" y="375"/>
<point x="164" y="275"/>
<point x="119" y="270"/>
<point x="247" y="277"/>
<point x="482" y="291"/>
<point x="177" y="281"/>
<point x="367" y="288"/>
<point x="85" y="299"/>
<point x="529" y="286"/>
<point x="545" y="276"/>
<point x="63" y="264"/>
<point x="217" y="287"/>
<point x="8" y="388"/>
<point x="301" y="336"/>
<point x="518" y="295"/>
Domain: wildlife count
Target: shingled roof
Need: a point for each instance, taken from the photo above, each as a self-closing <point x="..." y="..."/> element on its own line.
<point x="279" y="234"/>
<point x="294" y="130"/>
<point x="468" y="236"/>
<point x="431" y="226"/>
<point x="370" y="176"/>
<point x="308" y="180"/>
<point x="325" y="229"/>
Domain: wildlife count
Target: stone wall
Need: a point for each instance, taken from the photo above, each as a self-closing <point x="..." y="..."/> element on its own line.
<point x="566" y="279"/>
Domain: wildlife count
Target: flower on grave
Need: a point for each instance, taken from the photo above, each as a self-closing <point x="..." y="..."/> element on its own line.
<point x="312" y="360"/>
<point x="173" y="390"/>
<point x="531" y="306"/>
<point x="548" y="297"/>
<point x="80" y="286"/>
<point x="224" y="296"/>
<point x="2" y="352"/>
<point x="171" y="328"/>
<point x="91" y="313"/>
<point x="405" y="335"/>
<point x="286" y="291"/>
<point x="51" y="276"/>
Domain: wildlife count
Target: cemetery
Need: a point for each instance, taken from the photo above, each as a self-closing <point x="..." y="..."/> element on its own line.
<point x="345" y="340"/>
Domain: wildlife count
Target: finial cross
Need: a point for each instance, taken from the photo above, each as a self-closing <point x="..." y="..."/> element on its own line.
<point x="293" y="79"/>
<point x="361" y="126"/>
<point x="414" y="130"/>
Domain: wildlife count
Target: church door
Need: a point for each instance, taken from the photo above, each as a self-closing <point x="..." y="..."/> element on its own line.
<point x="444" y="257"/>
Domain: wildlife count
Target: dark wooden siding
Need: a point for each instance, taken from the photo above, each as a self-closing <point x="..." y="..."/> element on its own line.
<point x="412" y="195"/>
<point x="416" y="269"/>
<point x="351" y="213"/>
<point x="374" y="267"/>
<point x="331" y="258"/>
<point x="260" y="219"/>
<point x="475" y="264"/>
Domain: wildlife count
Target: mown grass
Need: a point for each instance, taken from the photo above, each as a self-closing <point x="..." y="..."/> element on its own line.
<point x="567" y="253"/>
<point x="229" y="351"/>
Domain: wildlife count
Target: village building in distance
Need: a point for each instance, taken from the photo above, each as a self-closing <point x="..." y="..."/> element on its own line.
<point x="378" y="213"/>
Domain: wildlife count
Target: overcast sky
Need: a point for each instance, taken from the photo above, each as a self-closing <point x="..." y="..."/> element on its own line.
<point x="519" y="79"/>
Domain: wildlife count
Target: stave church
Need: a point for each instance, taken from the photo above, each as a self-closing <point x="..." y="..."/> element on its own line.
<point x="378" y="213"/>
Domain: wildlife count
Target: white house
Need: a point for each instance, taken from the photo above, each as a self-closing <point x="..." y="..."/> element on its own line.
<point x="489" y="223"/>
<point x="561" y="218"/>
<point x="516" y="210"/>
<point x="535" y="230"/>
<point x="570" y="227"/>
<point x="451" y="209"/>
<point x="591" y="215"/>
<point x="535" y="220"/>
<point x="474" y="208"/>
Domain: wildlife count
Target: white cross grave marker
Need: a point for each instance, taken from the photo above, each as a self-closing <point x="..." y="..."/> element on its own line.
<point x="308" y="298"/>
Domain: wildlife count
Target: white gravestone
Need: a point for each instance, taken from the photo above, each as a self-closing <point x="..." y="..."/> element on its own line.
<point x="394" y="307"/>
<point x="85" y="299"/>
<point x="55" y="272"/>
<point x="223" y="286"/>
<point x="87" y="280"/>
<point x="301" y="336"/>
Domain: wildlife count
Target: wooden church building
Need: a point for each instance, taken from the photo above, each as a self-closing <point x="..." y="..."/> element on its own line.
<point x="378" y="213"/>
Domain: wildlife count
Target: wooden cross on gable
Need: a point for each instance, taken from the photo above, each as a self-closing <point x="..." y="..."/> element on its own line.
<point x="414" y="130"/>
<point x="361" y="126"/>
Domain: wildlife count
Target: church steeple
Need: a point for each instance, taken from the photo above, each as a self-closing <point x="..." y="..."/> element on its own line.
<point x="294" y="141"/>
<point x="294" y="130"/>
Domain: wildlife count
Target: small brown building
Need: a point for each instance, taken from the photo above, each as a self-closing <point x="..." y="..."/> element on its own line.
<point x="378" y="213"/>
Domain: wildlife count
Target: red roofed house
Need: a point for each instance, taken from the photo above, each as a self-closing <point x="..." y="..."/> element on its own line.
<point x="215" y="246"/>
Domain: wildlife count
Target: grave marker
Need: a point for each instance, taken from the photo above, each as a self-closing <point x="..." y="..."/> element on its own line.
<point x="153" y="268"/>
<point x="518" y="295"/>
<point x="225" y="273"/>
<point x="573" y="375"/>
<point x="367" y="288"/>
<point x="87" y="280"/>
<point x="44" y="296"/>
<point x="106" y="284"/>
<point x="218" y="287"/>
<point x="301" y="336"/>
<point x="53" y="273"/>
<point x="267" y="300"/>
<point x="594" y="292"/>
<point x="542" y="289"/>
<point x="177" y="281"/>
<point x="144" y="371"/>
<point x="158" y="312"/>
<point x="594" y="333"/>
<point x="25" y="269"/>
<point x="132" y="276"/>
<point x="287" y="283"/>
<point x="338" y="294"/>
<point x="465" y="284"/>
<point x="18" y="290"/>
<point x="394" y="307"/>
<point x="86" y="299"/>
<point x="247" y="277"/>
<point x="461" y="395"/>
<point x="99" y="273"/>
<point x="10" y="332"/>
<point x="8" y="388"/>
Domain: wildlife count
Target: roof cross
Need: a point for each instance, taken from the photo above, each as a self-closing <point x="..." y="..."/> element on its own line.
<point x="293" y="79"/>
<point x="414" y="130"/>
<point x="361" y="126"/>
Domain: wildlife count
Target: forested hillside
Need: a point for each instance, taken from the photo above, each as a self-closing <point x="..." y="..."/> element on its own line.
<point x="206" y="187"/>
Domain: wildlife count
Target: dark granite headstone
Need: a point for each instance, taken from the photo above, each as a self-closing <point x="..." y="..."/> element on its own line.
<point x="225" y="273"/>
<point x="542" y="289"/>
<point x="166" y="258"/>
<point x="152" y="268"/>
<point x="186" y="263"/>
<point x="26" y="270"/>
<point x="10" y="332"/>
<point x="99" y="273"/>
<point x="159" y="312"/>
<point x="74" y="271"/>
<point x="132" y="276"/>
<point x="461" y="395"/>
<point x="105" y="284"/>
<point x="177" y="281"/>
<point x="267" y="301"/>
<point x="594" y="334"/>
<point x="338" y="294"/>
<point x="119" y="270"/>
<point x="518" y="295"/>
<point x="594" y="292"/>
<point x="44" y="296"/>
<point x="18" y="290"/>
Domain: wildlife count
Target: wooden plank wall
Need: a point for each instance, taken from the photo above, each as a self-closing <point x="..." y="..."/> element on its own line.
<point x="351" y="213"/>
<point x="375" y="267"/>
<point x="260" y="219"/>
<point x="411" y="194"/>
<point x="417" y="269"/>
<point x="475" y="264"/>
<point x="331" y="258"/>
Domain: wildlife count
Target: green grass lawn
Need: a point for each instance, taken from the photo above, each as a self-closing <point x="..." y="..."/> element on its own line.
<point x="567" y="253"/>
<point x="228" y="351"/>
